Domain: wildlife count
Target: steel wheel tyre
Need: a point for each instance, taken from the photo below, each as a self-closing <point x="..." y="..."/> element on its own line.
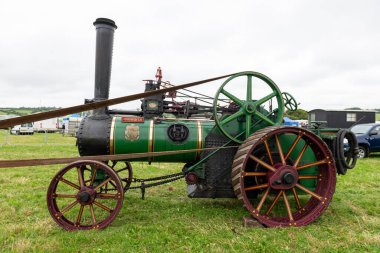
<point x="287" y="163"/>
<point x="76" y="198"/>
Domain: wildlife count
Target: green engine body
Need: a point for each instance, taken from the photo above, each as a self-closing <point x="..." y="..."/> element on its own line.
<point x="139" y="135"/>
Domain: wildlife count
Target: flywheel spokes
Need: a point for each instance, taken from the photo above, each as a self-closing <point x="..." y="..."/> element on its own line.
<point x="76" y="197"/>
<point x="248" y="114"/>
<point x="287" y="177"/>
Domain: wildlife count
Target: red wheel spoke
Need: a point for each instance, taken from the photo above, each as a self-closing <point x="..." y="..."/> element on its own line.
<point x="268" y="152"/>
<point x="280" y="150"/>
<point x="80" y="177"/>
<point x="296" y="198"/>
<point x="92" y="214"/>
<point x="253" y="174"/>
<point x="94" y="171"/>
<point x="312" y="164"/>
<point x="67" y="208"/>
<point x="102" y="184"/>
<point x="309" y="192"/>
<point x="79" y="217"/>
<point x="293" y="145"/>
<point x="271" y="168"/>
<point x="274" y="202"/>
<point x="106" y="196"/>
<point x="287" y="206"/>
<point x="300" y="155"/>
<point x="308" y="177"/>
<point x="69" y="183"/>
<point x="64" y="196"/>
<point x="232" y="97"/>
<point x="103" y="207"/>
<point x="256" y="187"/>
<point x="262" y="200"/>
<point x="232" y="117"/>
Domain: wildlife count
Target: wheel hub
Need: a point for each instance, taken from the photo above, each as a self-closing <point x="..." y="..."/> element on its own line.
<point x="284" y="178"/>
<point x="288" y="178"/>
<point x="86" y="196"/>
<point x="250" y="108"/>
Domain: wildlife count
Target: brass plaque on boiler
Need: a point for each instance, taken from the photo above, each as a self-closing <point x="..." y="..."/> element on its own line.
<point x="132" y="133"/>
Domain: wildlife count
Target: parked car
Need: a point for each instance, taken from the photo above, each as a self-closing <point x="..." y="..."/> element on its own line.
<point x="23" y="129"/>
<point x="368" y="136"/>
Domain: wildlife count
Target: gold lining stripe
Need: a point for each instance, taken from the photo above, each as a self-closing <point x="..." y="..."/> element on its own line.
<point x="200" y="138"/>
<point x="150" y="140"/>
<point x="112" y="137"/>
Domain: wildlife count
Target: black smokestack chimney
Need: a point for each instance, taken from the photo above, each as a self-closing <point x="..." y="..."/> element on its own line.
<point x="105" y="29"/>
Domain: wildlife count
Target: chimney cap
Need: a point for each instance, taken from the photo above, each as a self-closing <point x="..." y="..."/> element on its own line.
<point x="105" y="21"/>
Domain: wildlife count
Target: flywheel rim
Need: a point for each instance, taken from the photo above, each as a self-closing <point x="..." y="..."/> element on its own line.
<point x="248" y="107"/>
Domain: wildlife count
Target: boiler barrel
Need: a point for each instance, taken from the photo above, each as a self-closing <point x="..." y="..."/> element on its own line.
<point x="139" y="135"/>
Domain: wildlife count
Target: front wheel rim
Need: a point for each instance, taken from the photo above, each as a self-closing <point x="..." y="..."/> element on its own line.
<point x="82" y="204"/>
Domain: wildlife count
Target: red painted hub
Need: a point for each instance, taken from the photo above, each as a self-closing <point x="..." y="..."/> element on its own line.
<point x="284" y="178"/>
<point x="191" y="178"/>
<point x="86" y="196"/>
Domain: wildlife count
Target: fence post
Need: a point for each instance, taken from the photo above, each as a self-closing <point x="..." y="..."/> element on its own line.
<point x="46" y="138"/>
<point x="6" y="135"/>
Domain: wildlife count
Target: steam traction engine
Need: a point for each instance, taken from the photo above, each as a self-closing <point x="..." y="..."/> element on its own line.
<point x="232" y="144"/>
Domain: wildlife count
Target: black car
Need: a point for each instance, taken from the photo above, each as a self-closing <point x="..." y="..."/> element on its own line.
<point x="368" y="136"/>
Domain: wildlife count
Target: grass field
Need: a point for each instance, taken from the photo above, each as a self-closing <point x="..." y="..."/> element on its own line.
<point x="167" y="220"/>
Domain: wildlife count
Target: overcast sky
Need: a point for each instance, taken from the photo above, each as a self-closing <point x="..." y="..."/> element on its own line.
<point x="325" y="53"/>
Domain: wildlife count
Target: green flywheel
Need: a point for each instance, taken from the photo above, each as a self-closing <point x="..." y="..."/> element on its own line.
<point x="251" y="114"/>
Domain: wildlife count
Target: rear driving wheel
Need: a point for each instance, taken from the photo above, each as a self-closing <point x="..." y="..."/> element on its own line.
<point x="286" y="176"/>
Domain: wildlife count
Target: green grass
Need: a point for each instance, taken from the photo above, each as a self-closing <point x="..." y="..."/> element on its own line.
<point x="167" y="220"/>
<point x="377" y="116"/>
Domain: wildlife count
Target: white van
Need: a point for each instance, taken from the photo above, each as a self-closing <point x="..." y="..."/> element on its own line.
<point x="47" y="125"/>
<point x="23" y="129"/>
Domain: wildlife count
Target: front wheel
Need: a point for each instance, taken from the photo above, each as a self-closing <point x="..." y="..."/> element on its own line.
<point x="76" y="197"/>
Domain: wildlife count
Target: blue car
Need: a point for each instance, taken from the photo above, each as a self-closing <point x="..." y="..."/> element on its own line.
<point x="368" y="136"/>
